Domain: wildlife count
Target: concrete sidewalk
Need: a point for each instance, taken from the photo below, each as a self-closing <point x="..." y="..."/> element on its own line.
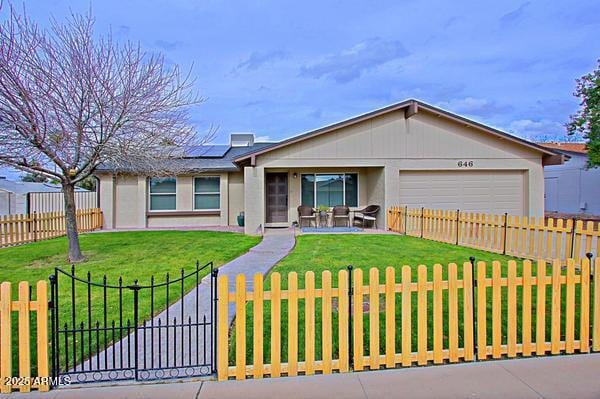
<point x="575" y="376"/>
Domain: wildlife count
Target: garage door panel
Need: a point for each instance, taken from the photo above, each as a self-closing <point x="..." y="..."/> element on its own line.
<point x="475" y="199"/>
<point x="477" y="191"/>
<point x="449" y="193"/>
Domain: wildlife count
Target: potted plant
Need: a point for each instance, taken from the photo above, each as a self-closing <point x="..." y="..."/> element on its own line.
<point x="322" y="209"/>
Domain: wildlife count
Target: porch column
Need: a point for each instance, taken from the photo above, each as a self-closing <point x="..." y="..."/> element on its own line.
<point x="392" y="192"/>
<point x="224" y="205"/>
<point x="254" y="199"/>
<point x="107" y="199"/>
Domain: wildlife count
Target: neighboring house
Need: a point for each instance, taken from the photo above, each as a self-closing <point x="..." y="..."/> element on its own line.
<point x="572" y="187"/>
<point x="19" y="197"/>
<point x="408" y="153"/>
<point x="13" y="194"/>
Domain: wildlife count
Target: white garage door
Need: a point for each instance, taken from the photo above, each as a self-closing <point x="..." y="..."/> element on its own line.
<point x="478" y="191"/>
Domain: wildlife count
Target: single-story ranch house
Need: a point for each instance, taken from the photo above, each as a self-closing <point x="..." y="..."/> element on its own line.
<point x="408" y="153"/>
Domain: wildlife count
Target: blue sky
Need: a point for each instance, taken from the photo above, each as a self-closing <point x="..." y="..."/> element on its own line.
<point x="278" y="68"/>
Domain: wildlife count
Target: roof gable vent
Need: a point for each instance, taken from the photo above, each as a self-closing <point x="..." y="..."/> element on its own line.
<point x="242" y="139"/>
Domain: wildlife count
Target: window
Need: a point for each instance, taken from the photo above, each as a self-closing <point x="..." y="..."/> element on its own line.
<point x="351" y="189"/>
<point x="163" y="194"/>
<point x="207" y="192"/>
<point x="308" y="190"/>
<point x="329" y="189"/>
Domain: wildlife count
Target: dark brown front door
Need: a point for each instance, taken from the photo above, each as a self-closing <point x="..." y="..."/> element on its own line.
<point x="277" y="197"/>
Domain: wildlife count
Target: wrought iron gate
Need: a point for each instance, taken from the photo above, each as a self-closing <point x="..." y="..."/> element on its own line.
<point x="106" y="331"/>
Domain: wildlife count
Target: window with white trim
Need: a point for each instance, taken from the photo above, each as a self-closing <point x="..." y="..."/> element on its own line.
<point x="207" y="193"/>
<point x="329" y="189"/>
<point x="163" y="194"/>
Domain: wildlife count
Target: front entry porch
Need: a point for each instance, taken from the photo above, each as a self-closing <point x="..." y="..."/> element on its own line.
<point x="273" y="195"/>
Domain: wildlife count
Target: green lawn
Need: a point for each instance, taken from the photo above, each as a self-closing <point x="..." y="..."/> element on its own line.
<point x="334" y="252"/>
<point x="130" y="255"/>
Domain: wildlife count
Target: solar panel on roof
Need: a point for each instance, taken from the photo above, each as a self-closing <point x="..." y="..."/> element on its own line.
<point x="208" y="151"/>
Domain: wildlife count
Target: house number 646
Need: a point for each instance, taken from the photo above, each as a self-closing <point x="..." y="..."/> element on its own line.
<point x="465" y="164"/>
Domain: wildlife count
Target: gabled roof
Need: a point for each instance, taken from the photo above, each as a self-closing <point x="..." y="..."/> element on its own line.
<point x="199" y="159"/>
<point x="410" y="108"/>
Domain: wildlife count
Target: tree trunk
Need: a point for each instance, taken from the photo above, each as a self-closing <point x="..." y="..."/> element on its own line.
<point x="75" y="254"/>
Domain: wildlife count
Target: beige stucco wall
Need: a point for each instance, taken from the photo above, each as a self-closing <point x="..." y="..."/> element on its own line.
<point x="107" y="199"/>
<point x="124" y="201"/>
<point x="375" y="191"/>
<point x="126" y="193"/>
<point x="254" y="199"/>
<point x="236" y="196"/>
<point x="391" y="137"/>
<point x="390" y="144"/>
<point x="183" y="221"/>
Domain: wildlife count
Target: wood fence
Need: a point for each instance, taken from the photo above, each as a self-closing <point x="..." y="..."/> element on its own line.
<point x="292" y="296"/>
<point x="44" y="202"/>
<point x="23" y="229"/>
<point x="444" y="315"/>
<point x="24" y="308"/>
<point x="521" y="236"/>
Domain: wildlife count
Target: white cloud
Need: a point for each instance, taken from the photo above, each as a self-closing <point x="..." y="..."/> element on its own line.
<point x="350" y="64"/>
<point x="259" y="59"/>
<point x="474" y="106"/>
<point x="536" y="130"/>
<point x="262" y="139"/>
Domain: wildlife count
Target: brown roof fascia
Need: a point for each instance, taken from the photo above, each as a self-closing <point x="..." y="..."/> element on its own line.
<point x="411" y="108"/>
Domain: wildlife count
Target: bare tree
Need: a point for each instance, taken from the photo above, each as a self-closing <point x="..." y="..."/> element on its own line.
<point x="70" y="101"/>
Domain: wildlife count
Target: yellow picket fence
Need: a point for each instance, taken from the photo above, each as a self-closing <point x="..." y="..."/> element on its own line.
<point x="20" y="377"/>
<point x="521" y="236"/>
<point x="422" y="316"/>
<point x="292" y="296"/>
<point x="23" y="229"/>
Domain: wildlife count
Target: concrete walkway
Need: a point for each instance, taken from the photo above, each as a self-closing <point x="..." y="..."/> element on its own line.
<point x="169" y="352"/>
<point x="276" y="244"/>
<point x="574" y="376"/>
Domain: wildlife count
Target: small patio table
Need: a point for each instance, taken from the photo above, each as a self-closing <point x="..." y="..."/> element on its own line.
<point x="324" y="219"/>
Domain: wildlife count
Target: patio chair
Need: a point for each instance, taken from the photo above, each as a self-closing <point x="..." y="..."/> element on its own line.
<point x="366" y="215"/>
<point x="342" y="213"/>
<point x="306" y="213"/>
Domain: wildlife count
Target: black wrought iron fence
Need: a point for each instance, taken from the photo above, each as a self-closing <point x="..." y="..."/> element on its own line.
<point x="105" y="331"/>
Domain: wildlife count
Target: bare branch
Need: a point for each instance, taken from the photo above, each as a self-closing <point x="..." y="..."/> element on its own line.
<point x="70" y="101"/>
